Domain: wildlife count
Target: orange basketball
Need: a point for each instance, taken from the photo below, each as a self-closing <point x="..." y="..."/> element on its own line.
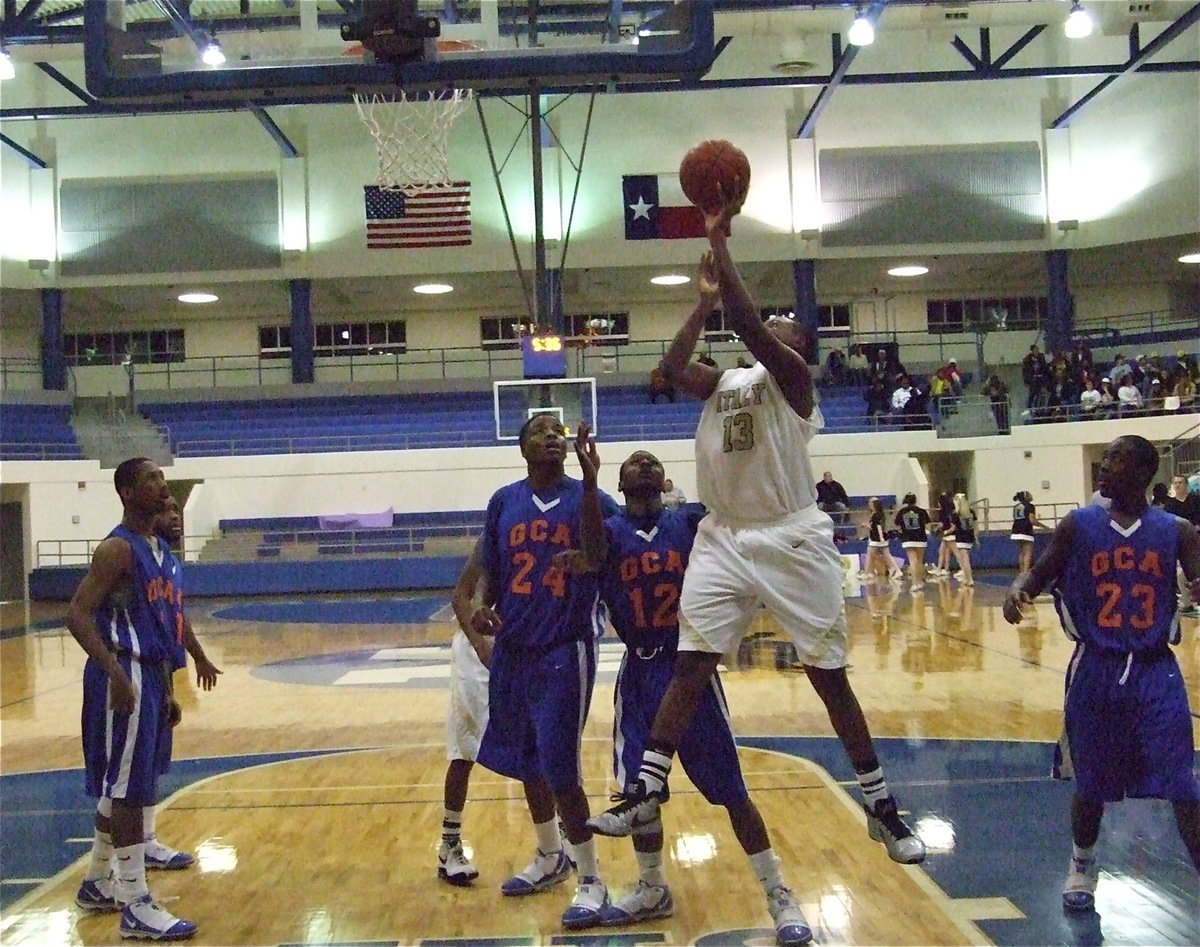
<point x="710" y="166"/>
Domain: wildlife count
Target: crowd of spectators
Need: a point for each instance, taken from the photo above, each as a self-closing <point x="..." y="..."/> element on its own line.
<point x="1072" y="383"/>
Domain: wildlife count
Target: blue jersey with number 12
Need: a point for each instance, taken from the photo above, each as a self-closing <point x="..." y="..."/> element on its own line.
<point x="541" y="606"/>
<point x="644" y="574"/>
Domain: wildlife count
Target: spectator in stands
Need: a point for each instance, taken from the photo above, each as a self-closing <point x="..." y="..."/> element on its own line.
<point x="1036" y="375"/>
<point x="1089" y="400"/>
<point x="1129" y="398"/>
<point x="901" y="397"/>
<point x="877" y="398"/>
<point x="1081" y="360"/>
<point x="1159" y="495"/>
<point x="672" y="497"/>
<point x="857" y="369"/>
<point x="1108" y="398"/>
<point x="741" y="362"/>
<point x="997" y="393"/>
<point x="1120" y="370"/>
<point x="1137" y="372"/>
<point x="832" y="498"/>
<point x="660" y="387"/>
<point x="1184" y="388"/>
<point x="949" y="375"/>
<point x="1156" y="397"/>
<point x="835" y="367"/>
<point x="1182" y="503"/>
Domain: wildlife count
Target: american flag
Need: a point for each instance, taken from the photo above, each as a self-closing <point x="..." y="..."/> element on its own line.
<point x="435" y="218"/>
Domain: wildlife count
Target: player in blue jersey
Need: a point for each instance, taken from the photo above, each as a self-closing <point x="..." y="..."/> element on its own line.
<point x="466" y="721"/>
<point x="169" y="529"/>
<point x="127" y="615"/>
<point x="641" y="581"/>
<point x="1128" y="728"/>
<point x="545" y="623"/>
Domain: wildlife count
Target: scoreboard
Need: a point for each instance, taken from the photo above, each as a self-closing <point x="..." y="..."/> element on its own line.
<point x="544" y="356"/>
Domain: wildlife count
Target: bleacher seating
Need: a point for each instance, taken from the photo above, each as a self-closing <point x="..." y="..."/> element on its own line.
<point x="37" y="432"/>
<point x="408" y="534"/>
<point x="431" y="420"/>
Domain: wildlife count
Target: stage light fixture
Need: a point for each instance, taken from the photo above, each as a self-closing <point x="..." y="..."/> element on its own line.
<point x="862" y="31"/>
<point x="1078" y="24"/>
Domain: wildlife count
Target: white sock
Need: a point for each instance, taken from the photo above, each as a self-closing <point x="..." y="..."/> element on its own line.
<point x="148" y="823"/>
<point x="102" y="857"/>
<point x="131" y="872"/>
<point x="585" y="858"/>
<point x="766" y="867"/>
<point x="549" y="840"/>
<point x="874" y="788"/>
<point x="656" y="767"/>
<point x="1083" y="854"/>
<point x="451" y="826"/>
<point x="650" y="867"/>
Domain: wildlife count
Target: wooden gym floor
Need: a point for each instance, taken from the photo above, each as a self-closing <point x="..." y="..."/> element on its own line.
<point x="309" y="786"/>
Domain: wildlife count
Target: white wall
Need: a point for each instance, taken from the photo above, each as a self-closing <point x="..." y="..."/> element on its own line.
<point x="412" y="481"/>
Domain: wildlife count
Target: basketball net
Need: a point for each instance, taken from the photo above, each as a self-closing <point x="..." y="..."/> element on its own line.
<point x="411" y="137"/>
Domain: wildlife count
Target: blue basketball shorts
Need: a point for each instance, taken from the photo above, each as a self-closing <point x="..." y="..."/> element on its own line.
<point x="1128" y="727"/>
<point x="707" y="751"/>
<point x="123" y="753"/>
<point x="537" y="707"/>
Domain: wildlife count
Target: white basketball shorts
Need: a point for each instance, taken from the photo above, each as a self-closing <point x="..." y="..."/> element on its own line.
<point x="467" y="715"/>
<point x="792" y="567"/>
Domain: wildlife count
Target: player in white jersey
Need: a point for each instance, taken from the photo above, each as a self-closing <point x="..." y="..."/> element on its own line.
<point x="765" y="541"/>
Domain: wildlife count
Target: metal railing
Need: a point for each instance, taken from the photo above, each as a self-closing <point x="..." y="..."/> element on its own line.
<point x="78" y="552"/>
<point x="21" y="450"/>
<point x="1099" y="329"/>
<point x="20" y="374"/>
<point x="1074" y="412"/>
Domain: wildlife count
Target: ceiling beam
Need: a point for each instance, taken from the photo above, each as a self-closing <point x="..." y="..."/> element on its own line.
<point x="1135" y="62"/>
<point x="34" y="160"/>
<point x="841" y="65"/>
<point x="285" y="144"/>
<point x="80" y="93"/>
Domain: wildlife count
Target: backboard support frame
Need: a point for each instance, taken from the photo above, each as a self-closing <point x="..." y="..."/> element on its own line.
<point x="126" y="66"/>
<point x="545" y="389"/>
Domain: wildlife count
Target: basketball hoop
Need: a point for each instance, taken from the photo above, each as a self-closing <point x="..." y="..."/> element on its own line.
<point x="411" y="137"/>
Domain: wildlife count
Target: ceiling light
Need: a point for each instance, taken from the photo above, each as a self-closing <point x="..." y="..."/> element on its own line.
<point x="212" y="55"/>
<point x="1190" y="258"/>
<point x="7" y="69"/>
<point x="862" y="31"/>
<point x="908" y="269"/>
<point x="433" y="289"/>
<point x="1078" y="24"/>
<point x="670" y="279"/>
<point x="198" y="297"/>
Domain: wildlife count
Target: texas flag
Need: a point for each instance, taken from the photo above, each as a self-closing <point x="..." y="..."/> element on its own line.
<point x="655" y="209"/>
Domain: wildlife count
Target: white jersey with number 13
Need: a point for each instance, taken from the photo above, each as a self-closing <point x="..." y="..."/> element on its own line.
<point x="752" y="459"/>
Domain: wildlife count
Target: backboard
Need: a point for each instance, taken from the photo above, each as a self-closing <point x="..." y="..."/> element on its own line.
<point x="571" y="400"/>
<point x="278" y="52"/>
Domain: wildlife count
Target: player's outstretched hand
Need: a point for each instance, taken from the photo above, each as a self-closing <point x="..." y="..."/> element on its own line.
<point x="585" y="450"/>
<point x="1014" y="604"/>
<point x="717" y="221"/>
<point x="206" y="674"/>
<point x="486" y="621"/>
<point x="572" y="562"/>
<point x="708" y="281"/>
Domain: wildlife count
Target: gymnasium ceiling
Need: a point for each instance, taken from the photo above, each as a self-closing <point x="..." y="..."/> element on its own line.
<point x="755" y="39"/>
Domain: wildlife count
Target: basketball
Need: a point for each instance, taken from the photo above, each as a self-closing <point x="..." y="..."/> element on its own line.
<point x="710" y="167"/>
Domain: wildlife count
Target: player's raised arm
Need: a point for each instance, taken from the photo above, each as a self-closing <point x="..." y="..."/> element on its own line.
<point x="1048" y="567"/>
<point x="785" y="364"/>
<point x="111" y="564"/>
<point x="592" y="540"/>
<point x="687" y="376"/>
<point x="478" y="624"/>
